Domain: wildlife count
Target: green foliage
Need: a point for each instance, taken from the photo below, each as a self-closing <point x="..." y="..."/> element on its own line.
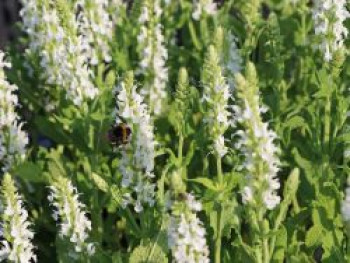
<point x="149" y="252"/>
<point x="308" y="106"/>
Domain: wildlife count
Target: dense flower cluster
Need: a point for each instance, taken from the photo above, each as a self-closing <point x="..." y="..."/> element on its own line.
<point x="256" y="142"/>
<point x="329" y="16"/>
<point x="153" y="54"/>
<point x="215" y="96"/>
<point x="12" y="139"/>
<point x="201" y="7"/>
<point x="53" y="35"/>
<point x="16" y="244"/>
<point x="71" y="216"/>
<point x="186" y="234"/>
<point x="96" y="25"/>
<point x="137" y="161"/>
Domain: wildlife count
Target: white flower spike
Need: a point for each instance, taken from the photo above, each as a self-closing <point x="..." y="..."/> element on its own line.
<point x="13" y="140"/>
<point x="16" y="245"/>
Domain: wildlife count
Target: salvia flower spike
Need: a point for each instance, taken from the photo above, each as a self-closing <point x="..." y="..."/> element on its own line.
<point x="215" y="98"/>
<point x="52" y="30"/>
<point x="13" y="140"/>
<point x="96" y="25"/>
<point x="153" y="55"/>
<point x="71" y="217"/>
<point x="329" y="17"/>
<point x="257" y="142"/>
<point x="186" y="233"/>
<point x="137" y="162"/>
<point x="16" y="245"/>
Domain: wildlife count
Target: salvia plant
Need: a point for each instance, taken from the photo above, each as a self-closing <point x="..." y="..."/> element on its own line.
<point x="185" y="131"/>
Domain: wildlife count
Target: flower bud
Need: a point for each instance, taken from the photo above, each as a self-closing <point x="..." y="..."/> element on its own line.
<point x="292" y="184"/>
<point x="176" y="182"/>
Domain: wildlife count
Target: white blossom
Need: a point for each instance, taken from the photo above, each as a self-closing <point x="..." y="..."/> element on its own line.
<point x="13" y="140"/>
<point x="16" y="245"/>
<point x="203" y="6"/>
<point x="70" y="216"/>
<point x="329" y="16"/>
<point x="63" y="53"/>
<point x="96" y="25"/>
<point x="137" y="162"/>
<point x="186" y="234"/>
<point x="256" y="142"/>
<point x="153" y="54"/>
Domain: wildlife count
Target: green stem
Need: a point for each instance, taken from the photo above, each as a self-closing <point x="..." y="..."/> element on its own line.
<point x="96" y="218"/>
<point x="256" y="228"/>
<point x="179" y="153"/>
<point x="132" y="221"/>
<point x="327" y="125"/>
<point x="264" y="239"/>
<point x="280" y="218"/>
<point x="218" y="237"/>
<point x="266" y="250"/>
<point x="303" y="26"/>
<point x="219" y="170"/>
<point x="348" y="251"/>
<point x="219" y="218"/>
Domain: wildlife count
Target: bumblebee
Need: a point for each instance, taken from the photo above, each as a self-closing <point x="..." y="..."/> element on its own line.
<point x="119" y="134"/>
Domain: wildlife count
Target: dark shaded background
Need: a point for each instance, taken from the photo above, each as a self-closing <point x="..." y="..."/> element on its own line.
<point x="8" y="16"/>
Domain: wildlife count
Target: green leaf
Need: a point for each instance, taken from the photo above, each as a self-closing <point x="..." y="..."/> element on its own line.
<point x="116" y="194"/>
<point x="314" y="236"/>
<point x="51" y="130"/>
<point x="190" y="153"/>
<point x="295" y="122"/>
<point x="206" y="182"/>
<point x="280" y="245"/>
<point x="30" y="172"/>
<point x="148" y="253"/>
<point x="100" y="182"/>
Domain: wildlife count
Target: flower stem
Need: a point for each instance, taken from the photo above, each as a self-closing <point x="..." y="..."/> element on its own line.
<point x="327" y="124"/>
<point x="219" y="170"/>
<point x="218" y="237"/>
<point x="179" y="153"/>
<point x="264" y="228"/>
<point x="219" y="217"/>
<point x="348" y="250"/>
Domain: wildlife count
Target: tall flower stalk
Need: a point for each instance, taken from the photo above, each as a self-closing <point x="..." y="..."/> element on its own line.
<point x="345" y="211"/>
<point x="261" y="164"/>
<point x="153" y="55"/>
<point x="257" y="144"/>
<point x="74" y="226"/>
<point x="329" y="17"/>
<point x="216" y="94"/>
<point x="13" y="140"/>
<point x="137" y="162"/>
<point x="52" y="30"/>
<point x="215" y="99"/>
<point x="16" y="236"/>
